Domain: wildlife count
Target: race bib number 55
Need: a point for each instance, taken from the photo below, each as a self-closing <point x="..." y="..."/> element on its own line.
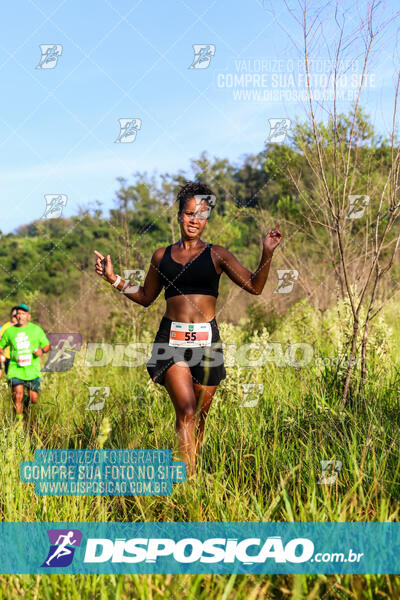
<point x="190" y="335"/>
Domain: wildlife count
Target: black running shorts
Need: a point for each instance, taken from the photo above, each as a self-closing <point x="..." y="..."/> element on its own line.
<point x="206" y="363"/>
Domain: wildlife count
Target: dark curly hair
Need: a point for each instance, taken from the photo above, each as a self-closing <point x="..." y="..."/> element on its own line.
<point x="192" y="189"/>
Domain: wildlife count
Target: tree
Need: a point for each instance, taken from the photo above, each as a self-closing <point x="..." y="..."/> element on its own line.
<point x="350" y="166"/>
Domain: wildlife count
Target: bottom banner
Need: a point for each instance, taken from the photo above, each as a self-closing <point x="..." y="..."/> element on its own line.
<point x="315" y="548"/>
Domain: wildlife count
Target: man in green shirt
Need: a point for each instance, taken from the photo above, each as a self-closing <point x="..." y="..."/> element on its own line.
<point x="5" y="360"/>
<point x="27" y="342"/>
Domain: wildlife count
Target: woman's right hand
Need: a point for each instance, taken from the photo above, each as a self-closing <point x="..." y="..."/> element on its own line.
<point x="108" y="274"/>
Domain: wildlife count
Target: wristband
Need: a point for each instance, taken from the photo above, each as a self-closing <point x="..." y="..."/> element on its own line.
<point x="116" y="282"/>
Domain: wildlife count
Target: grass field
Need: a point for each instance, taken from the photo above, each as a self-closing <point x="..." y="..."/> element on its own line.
<point x="258" y="464"/>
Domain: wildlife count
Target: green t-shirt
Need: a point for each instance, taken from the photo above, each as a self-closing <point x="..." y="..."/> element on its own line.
<point x="23" y="341"/>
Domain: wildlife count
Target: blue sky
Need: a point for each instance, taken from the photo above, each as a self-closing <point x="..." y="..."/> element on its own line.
<point x="123" y="59"/>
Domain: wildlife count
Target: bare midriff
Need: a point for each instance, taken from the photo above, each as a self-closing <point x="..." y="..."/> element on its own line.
<point x="191" y="308"/>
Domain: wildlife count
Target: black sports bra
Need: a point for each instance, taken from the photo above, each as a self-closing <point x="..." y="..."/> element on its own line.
<point x="198" y="276"/>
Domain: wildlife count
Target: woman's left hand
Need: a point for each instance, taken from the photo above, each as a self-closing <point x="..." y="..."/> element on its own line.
<point x="272" y="239"/>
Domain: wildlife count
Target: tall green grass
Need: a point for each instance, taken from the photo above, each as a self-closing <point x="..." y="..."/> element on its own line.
<point x="257" y="464"/>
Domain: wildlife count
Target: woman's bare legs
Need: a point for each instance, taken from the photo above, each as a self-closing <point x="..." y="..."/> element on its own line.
<point x="204" y="397"/>
<point x="179" y="384"/>
<point x="190" y="400"/>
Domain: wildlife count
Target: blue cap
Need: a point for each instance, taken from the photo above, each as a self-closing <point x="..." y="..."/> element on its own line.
<point x="23" y="307"/>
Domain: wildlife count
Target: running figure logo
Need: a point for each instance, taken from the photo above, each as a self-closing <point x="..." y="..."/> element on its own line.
<point x="251" y="394"/>
<point x="97" y="397"/>
<point x="286" y="279"/>
<point x="200" y="199"/>
<point x="333" y="467"/>
<point x="202" y="56"/>
<point x="62" y="353"/>
<point x="278" y="130"/>
<point x="128" y="130"/>
<point x="63" y="543"/>
<point x="50" y="54"/>
<point x="357" y="206"/>
<point x="54" y="205"/>
<point x="134" y="279"/>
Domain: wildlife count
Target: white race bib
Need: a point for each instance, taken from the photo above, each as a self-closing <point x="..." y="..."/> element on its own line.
<point x="24" y="360"/>
<point x="190" y="335"/>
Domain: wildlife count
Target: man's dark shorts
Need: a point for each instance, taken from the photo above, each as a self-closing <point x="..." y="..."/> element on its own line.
<point x="31" y="384"/>
<point x="206" y="363"/>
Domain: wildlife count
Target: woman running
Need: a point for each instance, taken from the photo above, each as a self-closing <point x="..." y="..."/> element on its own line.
<point x="187" y="355"/>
